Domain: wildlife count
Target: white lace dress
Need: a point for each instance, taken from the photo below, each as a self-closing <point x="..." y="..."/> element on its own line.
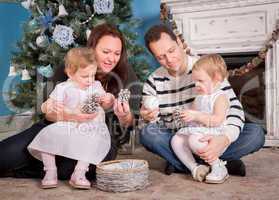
<point x="88" y="141"/>
<point x="204" y="103"/>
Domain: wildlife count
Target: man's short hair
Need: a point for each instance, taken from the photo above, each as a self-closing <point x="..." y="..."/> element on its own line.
<point x="154" y="34"/>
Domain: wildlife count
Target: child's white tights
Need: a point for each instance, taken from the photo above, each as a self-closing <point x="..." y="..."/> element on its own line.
<point x="184" y="146"/>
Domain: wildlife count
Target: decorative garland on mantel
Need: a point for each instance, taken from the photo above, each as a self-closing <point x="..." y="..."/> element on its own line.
<point x="167" y="18"/>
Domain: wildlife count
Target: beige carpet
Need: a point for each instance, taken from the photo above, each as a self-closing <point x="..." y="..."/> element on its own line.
<point x="261" y="182"/>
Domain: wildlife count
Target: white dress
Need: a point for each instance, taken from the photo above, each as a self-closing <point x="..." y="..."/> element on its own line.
<point x="87" y="141"/>
<point x="205" y="104"/>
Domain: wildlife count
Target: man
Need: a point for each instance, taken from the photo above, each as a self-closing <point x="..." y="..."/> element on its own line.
<point x="171" y="84"/>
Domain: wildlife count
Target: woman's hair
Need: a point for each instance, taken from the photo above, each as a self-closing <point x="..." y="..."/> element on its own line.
<point x="121" y="69"/>
<point x="212" y="64"/>
<point x="77" y="58"/>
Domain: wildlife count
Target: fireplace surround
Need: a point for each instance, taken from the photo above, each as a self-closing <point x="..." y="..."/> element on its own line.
<point x="237" y="27"/>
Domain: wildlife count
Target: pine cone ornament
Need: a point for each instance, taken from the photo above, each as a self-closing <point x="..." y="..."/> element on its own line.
<point x="91" y="105"/>
<point x="124" y="95"/>
<point x="178" y="122"/>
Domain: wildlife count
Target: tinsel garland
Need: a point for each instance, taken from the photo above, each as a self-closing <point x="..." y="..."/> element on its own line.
<point x="167" y="18"/>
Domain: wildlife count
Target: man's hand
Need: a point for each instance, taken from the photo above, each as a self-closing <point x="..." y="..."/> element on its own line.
<point x="147" y="114"/>
<point x="215" y="147"/>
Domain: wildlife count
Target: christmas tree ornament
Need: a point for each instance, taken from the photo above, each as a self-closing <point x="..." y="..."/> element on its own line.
<point x="91" y="105"/>
<point x="33" y="24"/>
<point x="27" y="4"/>
<point x="88" y="32"/>
<point x="124" y="95"/>
<point x="25" y="75"/>
<point x="63" y="35"/>
<point x="42" y="41"/>
<point x="45" y="71"/>
<point x="47" y="19"/>
<point x="103" y="6"/>
<point x="151" y="102"/>
<point x="178" y="122"/>
<point x="62" y="11"/>
<point x="12" y="71"/>
<point x="30" y="44"/>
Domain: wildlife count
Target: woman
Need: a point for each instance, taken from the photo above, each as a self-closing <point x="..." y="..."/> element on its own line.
<point x="109" y="46"/>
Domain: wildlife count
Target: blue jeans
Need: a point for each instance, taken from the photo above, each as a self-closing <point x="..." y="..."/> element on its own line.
<point x="157" y="140"/>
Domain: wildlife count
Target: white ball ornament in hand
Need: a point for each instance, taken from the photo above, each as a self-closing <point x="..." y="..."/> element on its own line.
<point x="151" y="103"/>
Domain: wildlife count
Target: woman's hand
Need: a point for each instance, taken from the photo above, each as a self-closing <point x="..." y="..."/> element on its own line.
<point x="123" y="112"/>
<point x="147" y="114"/>
<point x="107" y="100"/>
<point x="215" y="147"/>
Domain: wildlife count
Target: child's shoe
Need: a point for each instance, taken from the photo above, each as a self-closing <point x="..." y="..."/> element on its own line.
<point x="50" y="179"/>
<point x="78" y="179"/>
<point x="218" y="174"/>
<point x="199" y="172"/>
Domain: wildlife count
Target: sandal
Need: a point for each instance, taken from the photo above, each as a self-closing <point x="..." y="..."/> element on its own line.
<point x="78" y="180"/>
<point x="50" y="179"/>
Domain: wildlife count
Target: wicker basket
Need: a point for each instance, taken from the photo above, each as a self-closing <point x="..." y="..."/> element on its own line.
<point x="122" y="175"/>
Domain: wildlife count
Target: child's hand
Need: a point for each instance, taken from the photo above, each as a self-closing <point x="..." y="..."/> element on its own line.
<point x="52" y="106"/>
<point x="189" y="115"/>
<point x="107" y="100"/>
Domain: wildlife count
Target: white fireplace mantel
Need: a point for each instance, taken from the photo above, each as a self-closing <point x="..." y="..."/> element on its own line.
<point x="231" y="26"/>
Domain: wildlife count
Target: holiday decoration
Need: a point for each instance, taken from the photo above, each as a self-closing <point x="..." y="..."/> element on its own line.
<point x="46" y="71"/>
<point x="63" y="36"/>
<point x="103" y="6"/>
<point x="27" y="4"/>
<point x="124" y="95"/>
<point x="46" y="20"/>
<point x="42" y="41"/>
<point x="50" y="32"/>
<point x="12" y="71"/>
<point x="62" y="11"/>
<point x="33" y="25"/>
<point x="151" y="102"/>
<point x="178" y="122"/>
<point x="25" y="75"/>
<point x="91" y="105"/>
<point x="88" y="32"/>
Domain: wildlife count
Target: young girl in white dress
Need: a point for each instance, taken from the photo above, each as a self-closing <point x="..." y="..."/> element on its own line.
<point x="206" y="116"/>
<point x="87" y="142"/>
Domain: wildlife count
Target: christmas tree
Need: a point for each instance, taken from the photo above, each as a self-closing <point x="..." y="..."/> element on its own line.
<point x="54" y="27"/>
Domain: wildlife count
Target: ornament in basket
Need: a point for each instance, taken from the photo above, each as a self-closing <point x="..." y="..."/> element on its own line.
<point x="122" y="175"/>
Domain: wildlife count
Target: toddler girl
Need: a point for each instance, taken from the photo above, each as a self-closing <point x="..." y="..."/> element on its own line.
<point x="87" y="142"/>
<point x="206" y="116"/>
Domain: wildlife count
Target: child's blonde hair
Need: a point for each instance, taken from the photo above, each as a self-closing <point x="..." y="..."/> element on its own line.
<point x="212" y="64"/>
<point x="77" y="58"/>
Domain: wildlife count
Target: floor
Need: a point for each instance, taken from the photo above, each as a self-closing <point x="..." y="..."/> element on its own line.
<point x="261" y="182"/>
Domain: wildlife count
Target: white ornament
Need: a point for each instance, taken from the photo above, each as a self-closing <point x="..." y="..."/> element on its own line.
<point x="62" y="11"/>
<point x="42" y="41"/>
<point x="88" y="32"/>
<point x="12" y="71"/>
<point x="63" y="35"/>
<point x="151" y="102"/>
<point x="27" y="4"/>
<point x="103" y="6"/>
<point x="25" y="75"/>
